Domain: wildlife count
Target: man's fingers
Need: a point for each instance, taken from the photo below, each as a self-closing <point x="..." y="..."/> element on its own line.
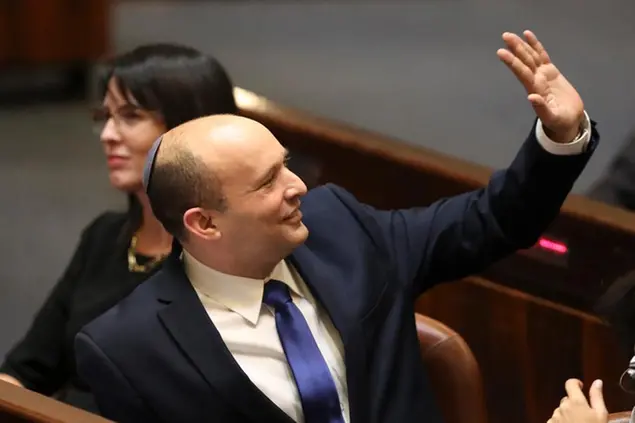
<point x="522" y="71"/>
<point x="520" y="49"/>
<point x="532" y="51"/>
<point x="537" y="46"/>
<point x="574" y="390"/>
<point x="596" y="398"/>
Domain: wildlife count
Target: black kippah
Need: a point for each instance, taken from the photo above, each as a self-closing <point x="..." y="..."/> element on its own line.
<point x="149" y="165"/>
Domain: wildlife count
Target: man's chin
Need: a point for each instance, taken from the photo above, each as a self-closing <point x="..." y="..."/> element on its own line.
<point x="299" y="234"/>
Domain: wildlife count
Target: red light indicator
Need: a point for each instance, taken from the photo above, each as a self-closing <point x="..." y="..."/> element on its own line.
<point x="553" y="246"/>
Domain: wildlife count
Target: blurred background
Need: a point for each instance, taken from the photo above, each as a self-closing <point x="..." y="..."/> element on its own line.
<point x="423" y="71"/>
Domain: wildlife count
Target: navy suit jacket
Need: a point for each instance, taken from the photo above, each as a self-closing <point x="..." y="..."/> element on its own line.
<point x="157" y="357"/>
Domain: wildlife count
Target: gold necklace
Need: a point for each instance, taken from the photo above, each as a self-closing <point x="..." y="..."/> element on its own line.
<point x="133" y="266"/>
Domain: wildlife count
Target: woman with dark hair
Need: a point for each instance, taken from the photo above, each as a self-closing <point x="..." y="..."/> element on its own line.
<point x="144" y="93"/>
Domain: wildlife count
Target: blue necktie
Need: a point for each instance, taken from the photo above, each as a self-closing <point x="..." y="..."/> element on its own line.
<point x="318" y="393"/>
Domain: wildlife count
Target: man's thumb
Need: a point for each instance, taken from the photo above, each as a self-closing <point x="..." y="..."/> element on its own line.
<point x="596" y="398"/>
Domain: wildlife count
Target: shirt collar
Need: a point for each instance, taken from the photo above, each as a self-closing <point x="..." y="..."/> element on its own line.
<point x="238" y="294"/>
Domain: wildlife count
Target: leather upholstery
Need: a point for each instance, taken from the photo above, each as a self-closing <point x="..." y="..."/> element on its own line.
<point x="453" y="371"/>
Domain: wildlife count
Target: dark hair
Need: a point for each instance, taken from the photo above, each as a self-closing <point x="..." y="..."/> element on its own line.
<point x="177" y="82"/>
<point x="180" y="182"/>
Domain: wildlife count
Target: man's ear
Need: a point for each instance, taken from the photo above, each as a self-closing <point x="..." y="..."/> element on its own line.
<point x="201" y="223"/>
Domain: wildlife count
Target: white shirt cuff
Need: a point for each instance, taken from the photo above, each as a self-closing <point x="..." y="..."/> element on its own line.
<point x="577" y="146"/>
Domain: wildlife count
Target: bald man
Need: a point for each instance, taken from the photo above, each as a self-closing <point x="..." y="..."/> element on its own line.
<point x="279" y="305"/>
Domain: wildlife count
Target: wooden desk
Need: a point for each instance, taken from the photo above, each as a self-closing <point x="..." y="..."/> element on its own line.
<point x="19" y="405"/>
<point x="529" y="318"/>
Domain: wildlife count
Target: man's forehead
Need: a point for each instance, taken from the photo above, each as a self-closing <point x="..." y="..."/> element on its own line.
<point x="247" y="169"/>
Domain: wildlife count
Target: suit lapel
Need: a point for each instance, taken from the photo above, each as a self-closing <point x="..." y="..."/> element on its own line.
<point x="189" y="325"/>
<point x="328" y="287"/>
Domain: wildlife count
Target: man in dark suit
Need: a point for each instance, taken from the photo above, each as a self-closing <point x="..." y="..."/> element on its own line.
<point x="283" y="305"/>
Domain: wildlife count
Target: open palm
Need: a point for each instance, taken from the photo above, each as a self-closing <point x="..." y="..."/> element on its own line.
<point x="555" y="101"/>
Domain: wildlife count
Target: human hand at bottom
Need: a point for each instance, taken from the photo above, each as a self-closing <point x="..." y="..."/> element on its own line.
<point x="574" y="408"/>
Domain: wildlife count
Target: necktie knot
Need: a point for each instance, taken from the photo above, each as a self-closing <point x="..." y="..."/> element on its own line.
<point x="276" y="294"/>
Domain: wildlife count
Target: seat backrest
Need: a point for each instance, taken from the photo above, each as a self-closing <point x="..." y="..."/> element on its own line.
<point x="621" y="417"/>
<point x="453" y="371"/>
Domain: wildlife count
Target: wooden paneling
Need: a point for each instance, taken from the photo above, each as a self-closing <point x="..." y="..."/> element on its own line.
<point x="59" y="31"/>
<point x="529" y="318"/>
<point x="5" y="31"/>
<point x="527" y="347"/>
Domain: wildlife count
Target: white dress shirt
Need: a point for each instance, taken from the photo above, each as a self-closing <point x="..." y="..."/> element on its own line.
<point x="248" y="328"/>
<point x="576" y="146"/>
